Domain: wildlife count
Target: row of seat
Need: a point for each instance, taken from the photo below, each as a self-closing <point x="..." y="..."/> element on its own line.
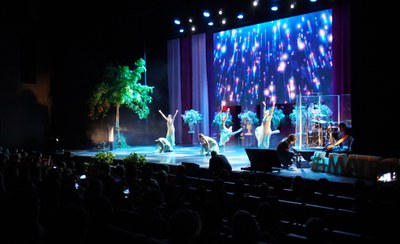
<point x="312" y="196"/>
<point x="292" y="211"/>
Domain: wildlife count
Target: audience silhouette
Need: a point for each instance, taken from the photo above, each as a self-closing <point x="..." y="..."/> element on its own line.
<point x="47" y="201"/>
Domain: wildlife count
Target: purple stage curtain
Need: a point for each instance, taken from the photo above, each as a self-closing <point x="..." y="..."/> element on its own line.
<point x="200" y="83"/>
<point x="186" y="83"/>
<point x="174" y="85"/>
<point x="341" y="49"/>
<point x="188" y="79"/>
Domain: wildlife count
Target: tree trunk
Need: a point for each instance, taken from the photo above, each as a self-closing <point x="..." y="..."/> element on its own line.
<point x="117" y="116"/>
<point x="120" y="141"/>
<point x="117" y="129"/>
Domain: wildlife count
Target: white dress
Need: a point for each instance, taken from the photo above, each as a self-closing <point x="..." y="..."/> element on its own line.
<point x="212" y="145"/>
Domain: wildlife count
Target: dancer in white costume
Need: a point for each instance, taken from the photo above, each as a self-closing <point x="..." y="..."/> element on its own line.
<point x="208" y="145"/>
<point x="225" y="132"/>
<point x="163" y="145"/>
<point x="263" y="132"/>
<point x="170" y="127"/>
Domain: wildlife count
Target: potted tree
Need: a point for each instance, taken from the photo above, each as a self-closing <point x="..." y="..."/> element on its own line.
<point x="192" y="118"/>
<point x="120" y="86"/>
<point x="248" y="120"/>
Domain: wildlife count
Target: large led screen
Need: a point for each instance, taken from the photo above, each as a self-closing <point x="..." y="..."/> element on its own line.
<point x="276" y="60"/>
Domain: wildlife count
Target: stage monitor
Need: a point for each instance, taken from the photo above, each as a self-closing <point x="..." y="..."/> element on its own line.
<point x="263" y="159"/>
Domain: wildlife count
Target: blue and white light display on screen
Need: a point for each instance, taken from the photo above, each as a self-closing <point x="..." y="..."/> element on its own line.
<point x="275" y="60"/>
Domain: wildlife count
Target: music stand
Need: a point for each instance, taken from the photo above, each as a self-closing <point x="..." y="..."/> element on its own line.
<point x="263" y="159"/>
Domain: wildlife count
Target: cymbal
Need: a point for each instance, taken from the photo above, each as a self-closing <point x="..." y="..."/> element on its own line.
<point x="318" y="121"/>
<point x="333" y="127"/>
<point x="321" y="115"/>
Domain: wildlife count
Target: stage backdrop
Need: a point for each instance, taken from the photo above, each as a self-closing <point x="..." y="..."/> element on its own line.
<point x="277" y="60"/>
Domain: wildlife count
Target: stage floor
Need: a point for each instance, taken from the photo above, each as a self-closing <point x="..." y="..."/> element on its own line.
<point x="191" y="154"/>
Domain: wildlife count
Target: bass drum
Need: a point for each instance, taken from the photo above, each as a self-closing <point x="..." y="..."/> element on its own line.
<point x="315" y="139"/>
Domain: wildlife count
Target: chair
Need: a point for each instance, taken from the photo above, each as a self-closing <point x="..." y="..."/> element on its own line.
<point x="295" y="238"/>
<point x="326" y="213"/>
<point x="340" y="236"/>
<point x="192" y="169"/>
<point x="291" y="211"/>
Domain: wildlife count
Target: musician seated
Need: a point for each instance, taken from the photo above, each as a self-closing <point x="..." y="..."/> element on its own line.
<point x="345" y="141"/>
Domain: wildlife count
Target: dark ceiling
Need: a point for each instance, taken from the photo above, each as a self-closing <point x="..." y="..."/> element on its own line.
<point x="147" y="16"/>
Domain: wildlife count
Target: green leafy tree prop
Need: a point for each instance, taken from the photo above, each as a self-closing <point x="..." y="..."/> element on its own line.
<point x="120" y="86"/>
<point x="134" y="160"/>
<point x="105" y="157"/>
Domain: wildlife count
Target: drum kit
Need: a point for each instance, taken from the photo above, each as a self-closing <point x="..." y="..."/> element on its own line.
<point x="322" y="132"/>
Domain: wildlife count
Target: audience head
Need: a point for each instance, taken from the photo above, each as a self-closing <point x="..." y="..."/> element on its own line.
<point x="162" y="176"/>
<point x="267" y="216"/>
<point x="324" y="185"/>
<point x="185" y="226"/>
<point x="315" y="230"/>
<point x="244" y="227"/>
<point x="263" y="190"/>
<point x="298" y="183"/>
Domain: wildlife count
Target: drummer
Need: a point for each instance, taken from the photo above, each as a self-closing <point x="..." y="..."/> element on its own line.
<point x="346" y="138"/>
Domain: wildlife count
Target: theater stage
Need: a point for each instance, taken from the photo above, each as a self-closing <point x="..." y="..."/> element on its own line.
<point x="191" y="154"/>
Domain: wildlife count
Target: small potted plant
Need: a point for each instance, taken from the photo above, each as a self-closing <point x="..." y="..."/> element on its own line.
<point x="105" y="157"/>
<point x="134" y="160"/>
